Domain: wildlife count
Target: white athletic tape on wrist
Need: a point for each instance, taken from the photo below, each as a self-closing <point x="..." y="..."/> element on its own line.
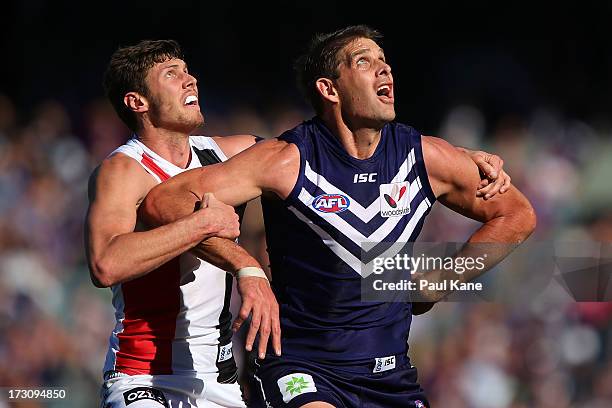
<point x="251" y="271"/>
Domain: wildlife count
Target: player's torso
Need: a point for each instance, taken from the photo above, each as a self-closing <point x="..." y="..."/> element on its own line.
<point x="175" y="319"/>
<point x="315" y="237"/>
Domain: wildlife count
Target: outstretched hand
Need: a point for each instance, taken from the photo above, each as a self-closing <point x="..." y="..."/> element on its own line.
<point x="259" y="301"/>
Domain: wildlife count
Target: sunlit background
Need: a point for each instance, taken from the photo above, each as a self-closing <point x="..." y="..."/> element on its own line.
<point x="531" y="84"/>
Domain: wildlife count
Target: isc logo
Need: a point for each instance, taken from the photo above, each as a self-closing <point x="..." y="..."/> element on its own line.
<point x="225" y="352"/>
<point x="384" y="364"/>
<point x="365" y="178"/>
<point x="331" y="203"/>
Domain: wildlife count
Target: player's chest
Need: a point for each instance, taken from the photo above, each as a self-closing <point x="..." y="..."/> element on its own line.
<point x="363" y="198"/>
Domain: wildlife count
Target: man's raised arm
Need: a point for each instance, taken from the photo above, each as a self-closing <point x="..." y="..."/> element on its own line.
<point x="271" y="165"/>
<point x="507" y="218"/>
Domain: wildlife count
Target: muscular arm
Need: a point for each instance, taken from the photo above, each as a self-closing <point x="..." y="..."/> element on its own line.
<point x="507" y="218"/>
<point x="116" y="252"/>
<point x="271" y="165"/>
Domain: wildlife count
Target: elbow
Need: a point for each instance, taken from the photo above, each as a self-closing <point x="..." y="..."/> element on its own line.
<point x="167" y="203"/>
<point x="526" y="221"/>
<point x="97" y="282"/>
<point x="157" y="208"/>
<point x="533" y="220"/>
<point x="100" y="274"/>
<point x="148" y="211"/>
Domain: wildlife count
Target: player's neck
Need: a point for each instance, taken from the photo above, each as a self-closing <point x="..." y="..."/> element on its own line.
<point x="359" y="142"/>
<point x="170" y="145"/>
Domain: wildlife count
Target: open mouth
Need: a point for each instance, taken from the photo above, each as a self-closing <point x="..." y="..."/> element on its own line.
<point x="191" y="100"/>
<point x="385" y="92"/>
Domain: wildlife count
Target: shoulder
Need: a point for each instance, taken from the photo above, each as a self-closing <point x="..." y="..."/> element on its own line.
<point x="278" y="150"/>
<point x="439" y="154"/>
<point x="300" y="132"/>
<point x="274" y="165"/>
<point x="286" y="153"/>
<point x="279" y="166"/>
<point x="120" y="172"/>
<point x="435" y="145"/>
<point x="119" y="162"/>
<point x="234" y="144"/>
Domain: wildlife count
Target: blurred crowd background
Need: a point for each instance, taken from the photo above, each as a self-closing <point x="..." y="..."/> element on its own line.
<point x="540" y="99"/>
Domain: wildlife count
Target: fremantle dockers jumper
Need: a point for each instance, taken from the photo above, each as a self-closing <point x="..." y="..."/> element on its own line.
<point x="176" y="319"/>
<point x="314" y="239"/>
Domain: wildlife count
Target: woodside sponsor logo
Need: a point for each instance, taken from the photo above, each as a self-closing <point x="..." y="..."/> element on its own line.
<point x="394" y="199"/>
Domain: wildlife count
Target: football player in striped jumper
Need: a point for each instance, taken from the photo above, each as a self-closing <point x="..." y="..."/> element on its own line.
<point x="172" y="342"/>
<point x="351" y="174"/>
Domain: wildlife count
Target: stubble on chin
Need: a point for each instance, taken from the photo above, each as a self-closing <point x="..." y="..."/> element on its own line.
<point x="201" y="120"/>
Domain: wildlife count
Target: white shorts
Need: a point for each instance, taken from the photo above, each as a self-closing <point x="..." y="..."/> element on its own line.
<point x="169" y="391"/>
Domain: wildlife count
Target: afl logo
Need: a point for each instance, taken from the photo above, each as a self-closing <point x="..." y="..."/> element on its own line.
<point x="331" y="203"/>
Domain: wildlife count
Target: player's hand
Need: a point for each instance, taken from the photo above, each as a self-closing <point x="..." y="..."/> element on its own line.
<point x="219" y="218"/>
<point x="495" y="179"/>
<point x="488" y="187"/>
<point x="259" y="300"/>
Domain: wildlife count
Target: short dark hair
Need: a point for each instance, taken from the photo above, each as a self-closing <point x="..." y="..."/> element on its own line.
<point x="321" y="60"/>
<point x="127" y="70"/>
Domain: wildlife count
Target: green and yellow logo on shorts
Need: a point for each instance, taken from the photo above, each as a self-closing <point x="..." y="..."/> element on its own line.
<point x="295" y="384"/>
